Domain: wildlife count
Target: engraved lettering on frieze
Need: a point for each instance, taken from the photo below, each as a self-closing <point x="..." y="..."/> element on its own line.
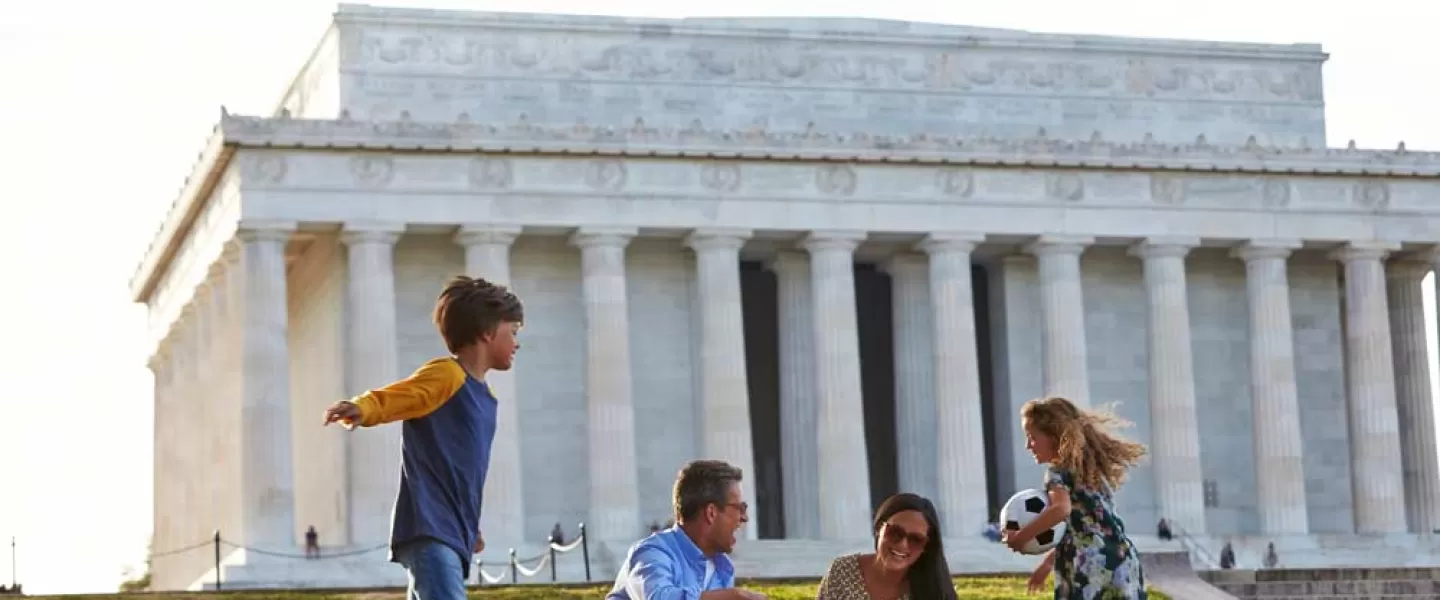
<point x="371" y="170"/>
<point x="1065" y="186"/>
<point x="836" y="180"/>
<point x="1275" y="193"/>
<point x="720" y="177"/>
<point x="1167" y="189"/>
<point x="1372" y="194"/>
<point x="691" y="59"/>
<point x="489" y="172"/>
<point x="605" y="174"/>
<point x="955" y="182"/>
<point x="263" y="168"/>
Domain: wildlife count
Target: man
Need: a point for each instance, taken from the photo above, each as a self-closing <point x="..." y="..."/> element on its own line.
<point x="691" y="560"/>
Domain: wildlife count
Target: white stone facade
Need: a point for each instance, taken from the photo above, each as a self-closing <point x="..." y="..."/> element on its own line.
<point x="1153" y="223"/>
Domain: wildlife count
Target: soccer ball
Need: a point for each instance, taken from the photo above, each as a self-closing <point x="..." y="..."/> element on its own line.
<point x="1020" y="510"/>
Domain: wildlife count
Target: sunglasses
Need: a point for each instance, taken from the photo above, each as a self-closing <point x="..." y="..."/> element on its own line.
<point x="895" y="534"/>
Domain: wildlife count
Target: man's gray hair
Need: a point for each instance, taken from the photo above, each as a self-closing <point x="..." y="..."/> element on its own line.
<point x="703" y="482"/>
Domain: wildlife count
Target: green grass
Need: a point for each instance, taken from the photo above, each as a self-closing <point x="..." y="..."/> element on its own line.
<point x="970" y="588"/>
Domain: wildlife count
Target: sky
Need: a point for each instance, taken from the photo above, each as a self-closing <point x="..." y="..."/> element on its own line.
<point x="107" y="103"/>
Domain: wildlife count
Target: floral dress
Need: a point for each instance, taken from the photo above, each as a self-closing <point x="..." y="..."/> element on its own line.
<point x="1094" y="560"/>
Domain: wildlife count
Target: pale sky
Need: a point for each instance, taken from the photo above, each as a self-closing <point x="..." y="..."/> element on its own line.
<point x="106" y="104"/>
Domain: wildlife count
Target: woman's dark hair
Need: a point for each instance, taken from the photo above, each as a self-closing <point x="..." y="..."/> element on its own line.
<point x="929" y="577"/>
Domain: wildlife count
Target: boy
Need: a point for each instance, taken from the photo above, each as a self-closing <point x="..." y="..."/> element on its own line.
<point x="448" y="416"/>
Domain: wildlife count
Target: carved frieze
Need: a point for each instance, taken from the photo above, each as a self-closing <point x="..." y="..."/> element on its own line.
<point x="607" y="174"/>
<point x="991" y="66"/>
<point x="491" y="173"/>
<point x="372" y="171"/>
<point x="263" y="167"/>
<point x="1167" y="188"/>
<point x="955" y="182"/>
<point x="1374" y="195"/>
<point x="720" y="177"/>
<point x="836" y="180"/>
<point x="1066" y="186"/>
<point x="1275" y="193"/>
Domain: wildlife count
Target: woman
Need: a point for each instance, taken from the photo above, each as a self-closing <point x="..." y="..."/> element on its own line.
<point x="908" y="562"/>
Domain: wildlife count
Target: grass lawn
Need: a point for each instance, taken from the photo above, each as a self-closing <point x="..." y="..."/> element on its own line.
<point x="970" y="588"/>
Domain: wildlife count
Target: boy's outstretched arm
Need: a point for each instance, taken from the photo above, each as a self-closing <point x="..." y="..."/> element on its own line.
<point x="418" y="395"/>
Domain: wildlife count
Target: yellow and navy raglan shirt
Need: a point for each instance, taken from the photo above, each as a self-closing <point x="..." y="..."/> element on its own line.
<point x="448" y="426"/>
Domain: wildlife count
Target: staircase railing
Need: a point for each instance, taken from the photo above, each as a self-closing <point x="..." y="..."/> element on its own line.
<point x="1194" y="547"/>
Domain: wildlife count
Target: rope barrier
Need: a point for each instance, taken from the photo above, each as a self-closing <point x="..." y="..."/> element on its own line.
<point x="515" y="569"/>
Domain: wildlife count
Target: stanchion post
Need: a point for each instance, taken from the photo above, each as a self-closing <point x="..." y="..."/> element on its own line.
<point x="585" y="551"/>
<point x="514" y="572"/>
<point x="217" y="560"/>
<point x="551" y="547"/>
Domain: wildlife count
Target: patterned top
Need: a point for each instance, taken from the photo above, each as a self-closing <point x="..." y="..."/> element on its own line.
<point x="1094" y="560"/>
<point x="843" y="581"/>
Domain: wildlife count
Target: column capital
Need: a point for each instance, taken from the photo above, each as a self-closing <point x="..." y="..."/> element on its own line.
<point x="265" y="231"/>
<point x="1163" y="247"/>
<point x="486" y="234"/>
<point x="371" y="232"/>
<point x="587" y="237"/>
<point x="1409" y="267"/>
<point x="1369" y="250"/>
<point x="1059" y="244"/>
<point x="950" y="241"/>
<point x="820" y="240"/>
<point x="717" y="238"/>
<point x="904" y="261"/>
<point x="1265" y="248"/>
<point x="788" y="260"/>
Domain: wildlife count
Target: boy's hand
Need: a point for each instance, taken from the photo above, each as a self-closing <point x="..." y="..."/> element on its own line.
<point x="479" y="542"/>
<point x="344" y="411"/>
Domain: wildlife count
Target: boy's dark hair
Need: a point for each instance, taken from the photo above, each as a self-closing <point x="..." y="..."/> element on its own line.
<point x="701" y="483"/>
<point x="470" y="307"/>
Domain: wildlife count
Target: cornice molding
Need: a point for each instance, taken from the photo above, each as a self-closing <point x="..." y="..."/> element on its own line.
<point x="697" y="141"/>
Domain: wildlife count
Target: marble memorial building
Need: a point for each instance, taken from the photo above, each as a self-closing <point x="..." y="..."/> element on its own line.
<point x="839" y="253"/>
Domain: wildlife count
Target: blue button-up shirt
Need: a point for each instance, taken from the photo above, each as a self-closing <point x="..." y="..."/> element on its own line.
<point x="669" y="566"/>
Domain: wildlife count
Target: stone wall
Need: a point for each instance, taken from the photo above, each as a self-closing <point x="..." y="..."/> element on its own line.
<point x="837" y="75"/>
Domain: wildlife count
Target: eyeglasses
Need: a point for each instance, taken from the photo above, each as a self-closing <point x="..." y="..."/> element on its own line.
<point x="895" y="534"/>
<point x="743" y="506"/>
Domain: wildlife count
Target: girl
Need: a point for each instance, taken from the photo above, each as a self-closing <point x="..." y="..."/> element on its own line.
<point x="1086" y="465"/>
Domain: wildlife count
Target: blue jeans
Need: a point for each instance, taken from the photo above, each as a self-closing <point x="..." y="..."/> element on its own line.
<point x="436" y="572"/>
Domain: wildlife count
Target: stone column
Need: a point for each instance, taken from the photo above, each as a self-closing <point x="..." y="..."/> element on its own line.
<point x="1275" y="406"/>
<point x="187" y="463"/>
<point x="372" y="361"/>
<point x="267" y="484"/>
<point x="1412" y="388"/>
<point x="844" y="478"/>
<point x="724" y="383"/>
<point x="916" y="440"/>
<point x="799" y="453"/>
<point x="161" y="365"/>
<point x="1175" y="437"/>
<point x="614" y="499"/>
<point x="1062" y="316"/>
<point x="963" y="500"/>
<point x="1376" y="473"/>
<point x="502" y="516"/>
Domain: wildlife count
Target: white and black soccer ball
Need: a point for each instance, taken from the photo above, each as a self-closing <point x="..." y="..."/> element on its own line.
<point x="1020" y="510"/>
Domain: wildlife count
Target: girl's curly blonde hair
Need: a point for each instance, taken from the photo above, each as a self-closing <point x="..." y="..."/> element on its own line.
<point x="1084" y="445"/>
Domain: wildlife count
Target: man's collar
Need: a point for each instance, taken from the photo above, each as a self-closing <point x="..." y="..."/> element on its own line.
<point x="695" y="555"/>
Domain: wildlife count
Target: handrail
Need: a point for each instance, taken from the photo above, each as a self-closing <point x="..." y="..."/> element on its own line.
<point x="1193" y="546"/>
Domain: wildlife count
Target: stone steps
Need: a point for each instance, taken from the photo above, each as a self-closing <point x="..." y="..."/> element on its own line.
<point x="1329" y="584"/>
